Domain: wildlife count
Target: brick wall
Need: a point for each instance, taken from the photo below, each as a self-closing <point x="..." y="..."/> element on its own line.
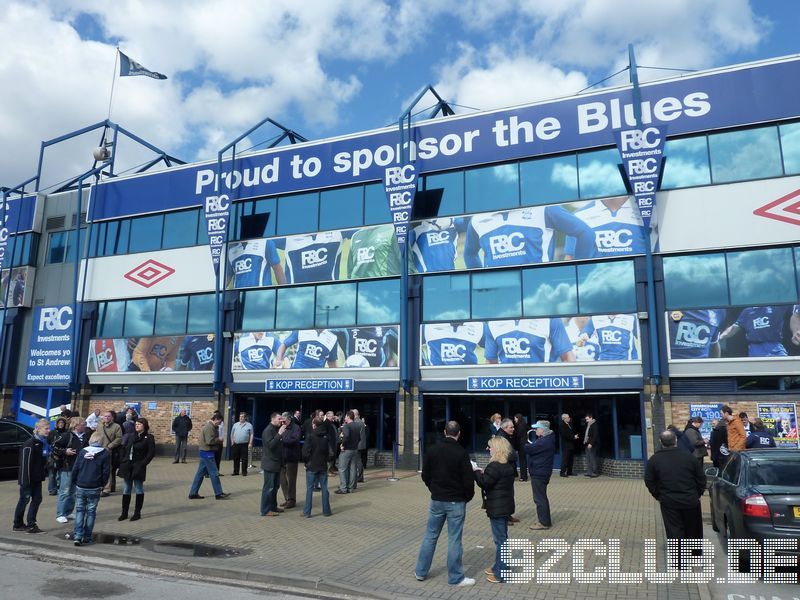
<point x="738" y="402"/>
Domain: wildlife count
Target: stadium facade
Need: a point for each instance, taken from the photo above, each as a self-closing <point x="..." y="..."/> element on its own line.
<point x="528" y="290"/>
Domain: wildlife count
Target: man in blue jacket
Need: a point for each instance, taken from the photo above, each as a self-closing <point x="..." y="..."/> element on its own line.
<point x="91" y="471"/>
<point x="540" y="453"/>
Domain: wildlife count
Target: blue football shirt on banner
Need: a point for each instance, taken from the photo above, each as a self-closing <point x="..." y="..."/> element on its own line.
<point x="763" y="328"/>
<point x="197" y="353"/>
<point x="313" y="257"/>
<point x="452" y="344"/>
<point x="526" y="341"/>
<point x="616" y="336"/>
<point x="314" y="348"/>
<point x="693" y="335"/>
<point x="256" y="350"/>
<point x="251" y="262"/>
<point x="616" y="232"/>
<point x="433" y="245"/>
<point x="522" y="236"/>
<point x="375" y="345"/>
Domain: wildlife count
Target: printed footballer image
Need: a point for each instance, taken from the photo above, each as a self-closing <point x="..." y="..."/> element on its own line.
<point x="347" y="347"/>
<point x="531" y="341"/>
<point x="151" y="354"/>
<point x="750" y="332"/>
<point x="14" y="297"/>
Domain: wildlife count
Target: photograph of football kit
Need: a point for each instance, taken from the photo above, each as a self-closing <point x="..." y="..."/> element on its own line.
<point x="749" y="332"/>
<point x="350" y="347"/>
<point x="151" y="354"/>
<point x="531" y="235"/>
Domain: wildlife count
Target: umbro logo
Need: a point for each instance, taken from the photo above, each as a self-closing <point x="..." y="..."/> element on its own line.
<point x="149" y="273"/>
<point x="786" y="209"/>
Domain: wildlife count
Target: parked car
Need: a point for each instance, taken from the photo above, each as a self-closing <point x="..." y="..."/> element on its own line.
<point x="757" y="495"/>
<point x="12" y="436"/>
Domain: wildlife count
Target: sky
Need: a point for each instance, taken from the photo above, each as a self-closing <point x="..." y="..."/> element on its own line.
<point x="330" y="67"/>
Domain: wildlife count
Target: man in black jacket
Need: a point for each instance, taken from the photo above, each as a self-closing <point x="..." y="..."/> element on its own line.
<point x="32" y="472"/>
<point x="677" y="481"/>
<point x="447" y="472"/>
<point x="568" y="439"/>
<point x="181" y="426"/>
<point x="271" y="461"/>
<point x="315" y="455"/>
<point x="590" y="443"/>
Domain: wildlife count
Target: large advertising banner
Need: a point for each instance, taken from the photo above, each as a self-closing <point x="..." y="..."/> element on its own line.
<point x="50" y="359"/>
<point x="351" y="347"/>
<point x="20" y="291"/>
<point x="751" y="332"/>
<point x="531" y="341"/>
<point x="151" y="354"/>
<point x="708" y="412"/>
<point x="607" y="228"/>
<point x="780" y="419"/>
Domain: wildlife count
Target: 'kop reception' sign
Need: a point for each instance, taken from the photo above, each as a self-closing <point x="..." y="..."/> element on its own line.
<point x="400" y="184"/>
<point x="642" y="153"/>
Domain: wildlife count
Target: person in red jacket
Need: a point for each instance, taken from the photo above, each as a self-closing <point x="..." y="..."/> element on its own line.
<point x="737" y="438"/>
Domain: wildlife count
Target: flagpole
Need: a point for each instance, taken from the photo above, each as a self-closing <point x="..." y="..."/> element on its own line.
<point x="113" y="81"/>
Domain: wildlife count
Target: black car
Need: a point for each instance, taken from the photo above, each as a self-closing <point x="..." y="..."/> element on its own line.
<point x="757" y="495"/>
<point x="12" y="436"/>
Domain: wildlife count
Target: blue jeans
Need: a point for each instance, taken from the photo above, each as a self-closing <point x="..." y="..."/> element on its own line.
<point x="269" y="492"/>
<point x="206" y="465"/>
<point x="66" y="494"/>
<point x="312" y="480"/>
<point x="454" y="513"/>
<point x="499" y="535"/>
<point x="52" y="481"/>
<point x="136" y="485"/>
<point x="32" y="493"/>
<point x="85" y="510"/>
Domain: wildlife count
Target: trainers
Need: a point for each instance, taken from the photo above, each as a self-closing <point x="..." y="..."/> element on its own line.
<point x="222" y="496"/>
<point x="78" y="543"/>
<point x="34" y="529"/>
<point x="340" y="492"/>
<point x="71" y="516"/>
<point x="419" y="577"/>
<point x="539" y="527"/>
<point x="466" y="581"/>
<point x="492" y="579"/>
<point x="488" y="572"/>
<point x="195" y="497"/>
<point x="62" y="519"/>
<point x="20" y="528"/>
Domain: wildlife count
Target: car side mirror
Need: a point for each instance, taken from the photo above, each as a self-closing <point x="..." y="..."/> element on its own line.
<point x="712" y="472"/>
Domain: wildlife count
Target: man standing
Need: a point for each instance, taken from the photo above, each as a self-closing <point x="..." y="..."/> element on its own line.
<point x="362" y="447"/>
<point x="590" y="443"/>
<point x="694" y="439"/>
<point x="32" y="472"/>
<point x="541" y="453"/>
<point x="676" y="480"/>
<point x="112" y="439"/>
<point x="737" y="438"/>
<point x="93" y="421"/>
<point x="348" y="459"/>
<point x="719" y="443"/>
<point x="447" y="472"/>
<point x="181" y="425"/>
<point x="568" y="438"/>
<point x="290" y="450"/>
<point x="271" y="460"/>
<point x="209" y="441"/>
<point x="241" y="442"/>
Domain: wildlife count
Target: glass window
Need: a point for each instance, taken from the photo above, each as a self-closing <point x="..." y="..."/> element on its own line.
<point x="687" y="163"/>
<point x="549" y="291"/>
<point x="762" y="277"/>
<point x="492" y="188"/>
<point x="258" y="310"/>
<point x="56" y="247"/>
<point x="790" y="144"/>
<point x="71" y="245"/>
<point x="295" y="308"/>
<point x="379" y="302"/>
<point x="112" y="237"/>
<point x="376" y="206"/>
<point x="146" y="233"/>
<point x="496" y="294"/>
<point x="266" y="210"/>
<point x="445" y="298"/>
<point x="598" y="174"/>
<point x="695" y="281"/>
<point x="171" y="315"/>
<point x="452" y="186"/>
<point x="336" y="305"/>
<point x="607" y="288"/>
<point x="109" y="320"/>
<point x="341" y="208"/>
<point x="139" y="317"/>
<point x="201" y="314"/>
<point x="180" y="229"/>
<point x="202" y="231"/>
<point x="298" y="214"/>
<point x="549" y="180"/>
<point x="746" y="154"/>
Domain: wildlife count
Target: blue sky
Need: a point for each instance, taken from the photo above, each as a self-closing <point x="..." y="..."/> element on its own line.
<point x="332" y="67"/>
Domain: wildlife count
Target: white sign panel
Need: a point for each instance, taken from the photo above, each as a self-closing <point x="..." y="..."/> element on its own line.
<point x="737" y="214"/>
<point x="147" y="274"/>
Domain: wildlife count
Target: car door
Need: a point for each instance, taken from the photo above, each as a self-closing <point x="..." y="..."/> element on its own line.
<point x="9" y="448"/>
<point x="727" y="498"/>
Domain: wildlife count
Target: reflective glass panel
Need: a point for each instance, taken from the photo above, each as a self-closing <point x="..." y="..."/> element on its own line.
<point x="790" y="145"/>
<point x="496" y="294"/>
<point x="695" y="281"/>
<point x="341" y="208"/>
<point x="762" y="277"/>
<point x="608" y="288"/>
<point x="56" y="248"/>
<point x="687" y="163"/>
<point x="298" y="214"/>
<point x="139" y="317"/>
<point x="295" y="308"/>
<point x="445" y="298"/>
<point x="146" y="233"/>
<point x="746" y="154"/>
<point x="492" y="188"/>
<point x="336" y="305"/>
<point x="549" y="180"/>
<point x="452" y="186"/>
<point x="598" y="174"/>
<point x="258" y="310"/>
<point x="109" y="320"/>
<point x="376" y="207"/>
<point x="180" y="229"/>
<point x="171" y="315"/>
<point x="549" y="291"/>
<point x="201" y="314"/>
<point x="379" y="302"/>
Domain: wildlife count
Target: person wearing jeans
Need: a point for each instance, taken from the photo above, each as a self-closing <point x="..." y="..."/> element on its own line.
<point x="315" y="455"/>
<point x="32" y="472"/>
<point x="209" y="440"/>
<point x="91" y="470"/>
<point x="71" y="444"/>
<point x="271" y="462"/>
<point x="447" y="473"/>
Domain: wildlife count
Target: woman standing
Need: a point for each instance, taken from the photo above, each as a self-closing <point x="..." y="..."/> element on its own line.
<point x="56" y="459"/>
<point x="497" y="483"/>
<point x="137" y="453"/>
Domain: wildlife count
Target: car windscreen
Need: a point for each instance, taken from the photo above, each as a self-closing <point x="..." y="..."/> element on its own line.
<point x="783" y="473"/>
